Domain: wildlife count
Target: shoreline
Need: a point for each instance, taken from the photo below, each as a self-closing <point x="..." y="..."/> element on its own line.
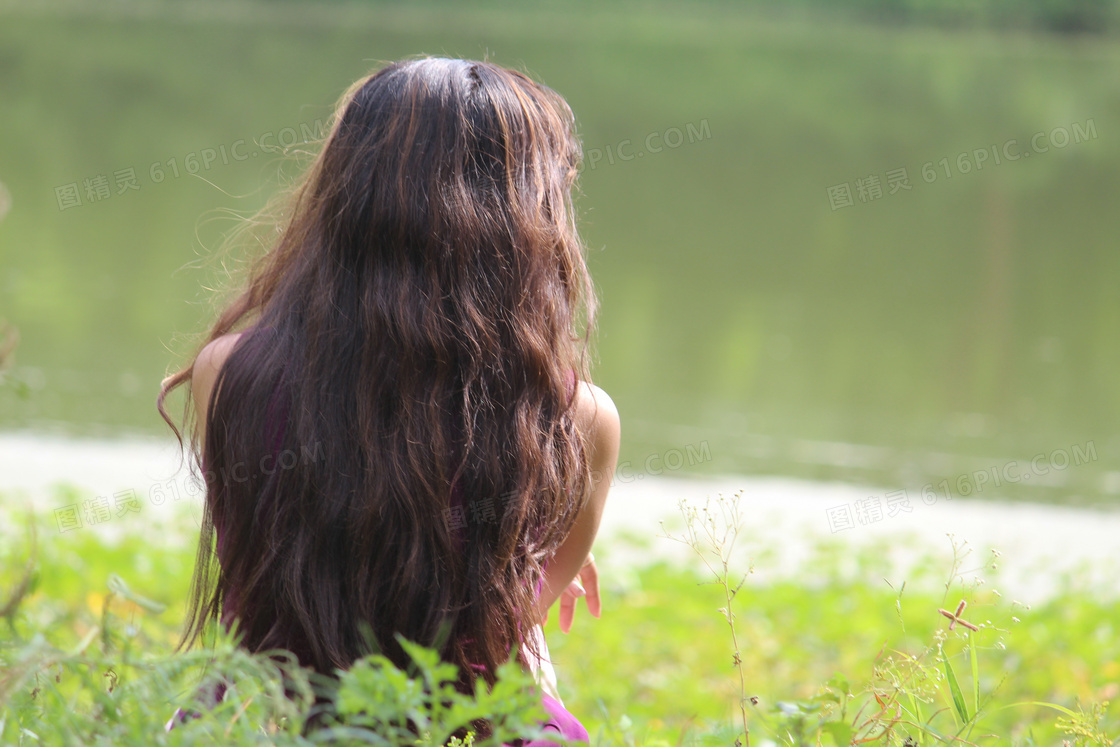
<point x="1043" y="548"/>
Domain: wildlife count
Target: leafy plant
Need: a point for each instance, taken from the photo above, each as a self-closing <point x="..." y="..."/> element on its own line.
<point x="111" y="688"/>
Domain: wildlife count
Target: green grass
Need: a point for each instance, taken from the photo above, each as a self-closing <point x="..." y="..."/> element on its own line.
<point x="829" y="656"/>
<point x="661" y="653"/>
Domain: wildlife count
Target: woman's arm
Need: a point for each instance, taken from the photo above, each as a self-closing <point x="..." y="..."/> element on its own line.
<point x="598" y="417"/>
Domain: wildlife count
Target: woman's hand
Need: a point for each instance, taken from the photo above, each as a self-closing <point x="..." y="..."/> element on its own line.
<point x="585" y="584"/>
<point x="571" y="570"/>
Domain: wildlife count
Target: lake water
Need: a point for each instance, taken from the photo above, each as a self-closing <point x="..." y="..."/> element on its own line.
<point x="839" y="254"/>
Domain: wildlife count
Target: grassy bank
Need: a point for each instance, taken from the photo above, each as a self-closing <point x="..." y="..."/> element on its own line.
<point x="840" y="655"/>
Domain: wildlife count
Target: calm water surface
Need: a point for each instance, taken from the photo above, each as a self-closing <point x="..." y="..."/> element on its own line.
<point x="954" y="321"/>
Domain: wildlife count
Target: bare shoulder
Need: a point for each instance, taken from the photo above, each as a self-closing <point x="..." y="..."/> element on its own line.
<point x="598" y="417"/>
<point x="207" y="366"/>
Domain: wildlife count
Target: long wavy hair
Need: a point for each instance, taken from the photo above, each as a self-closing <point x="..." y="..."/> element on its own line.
<point x="392" y="441"/>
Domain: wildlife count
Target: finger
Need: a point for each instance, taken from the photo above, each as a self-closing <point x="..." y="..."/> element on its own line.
<point x="567" y="612"/>
<point x="590" y="576"/>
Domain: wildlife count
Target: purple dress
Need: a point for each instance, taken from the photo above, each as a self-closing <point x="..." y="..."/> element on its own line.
<point x="559" y="720"/>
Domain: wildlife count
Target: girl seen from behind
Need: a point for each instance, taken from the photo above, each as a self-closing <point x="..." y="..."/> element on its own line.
<point x="419" y="327"/>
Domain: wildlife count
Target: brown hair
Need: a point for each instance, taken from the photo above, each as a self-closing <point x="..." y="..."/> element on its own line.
<point x="417" y="325"/>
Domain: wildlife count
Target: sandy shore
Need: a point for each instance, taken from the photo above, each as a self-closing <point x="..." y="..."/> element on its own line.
<point x="1042" y="548"/>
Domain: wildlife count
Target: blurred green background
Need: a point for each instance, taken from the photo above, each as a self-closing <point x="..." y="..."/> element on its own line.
<point x="950" y="323"/>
